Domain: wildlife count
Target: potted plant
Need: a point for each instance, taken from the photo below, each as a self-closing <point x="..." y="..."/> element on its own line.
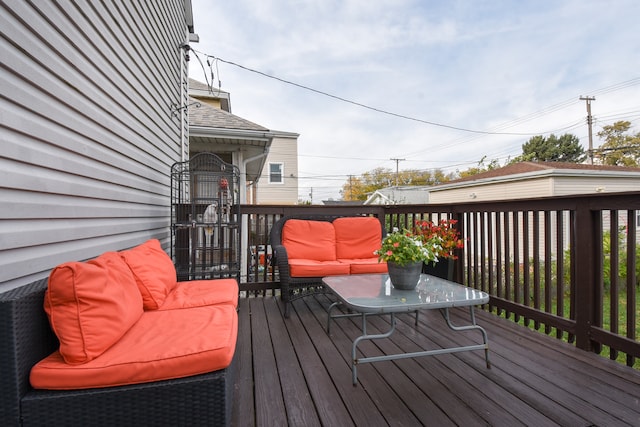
<point x="405" y="253"/>
<point x="448" y="240"/>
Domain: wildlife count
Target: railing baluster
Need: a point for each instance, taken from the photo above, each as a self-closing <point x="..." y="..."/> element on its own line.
<point x="633" y="222"/>
<point x="548" y="281"/>
<point x="614" y="281"/>
<point x="560" y="270"/>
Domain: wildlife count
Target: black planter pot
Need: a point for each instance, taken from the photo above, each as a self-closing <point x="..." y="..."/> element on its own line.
<point x="442" y="268"/>
<point x="404" y="277"/>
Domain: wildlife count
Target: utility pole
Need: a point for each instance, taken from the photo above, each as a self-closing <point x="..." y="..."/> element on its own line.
<point x="350" y="187"/>
<point x="588" y="100"/>
<point x="397" y="161"/>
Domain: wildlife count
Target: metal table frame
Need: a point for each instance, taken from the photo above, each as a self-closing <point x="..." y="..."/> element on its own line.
<point x="358" y="293"/>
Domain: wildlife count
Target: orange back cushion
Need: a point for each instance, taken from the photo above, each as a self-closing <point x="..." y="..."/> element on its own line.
<point x="304" y="239"/>
<point x="91" y="305"/>
<point x="357" y="237"/>
<point x="153" y="270"/>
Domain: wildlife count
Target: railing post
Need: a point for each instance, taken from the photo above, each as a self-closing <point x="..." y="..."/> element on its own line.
<point x="584" y="273"/>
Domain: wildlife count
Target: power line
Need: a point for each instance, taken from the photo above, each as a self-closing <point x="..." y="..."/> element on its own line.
<point x="359" y="104"/>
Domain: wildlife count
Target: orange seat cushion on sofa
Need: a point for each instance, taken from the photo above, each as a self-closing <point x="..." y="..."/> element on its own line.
<point x="153" y="270"/>
<point x="366" y="266"/>
<point x="312" y="240"/>
<point x="312" y="268"/>
<point x="196" y="293"/>
<point x="91" y="305"/>
<point x="163" y="344"/>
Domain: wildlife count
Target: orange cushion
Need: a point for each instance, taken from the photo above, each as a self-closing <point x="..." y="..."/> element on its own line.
<point x="313" y="268"/>
<point x="366" y="266"/>
<point x="154" y="272"/>
<point x="91" y="305"/>
<point x="197" y="293"/>
<point x="163" y="344"/>
<point x="357" y="237"/>
<point x="313" y="240"/>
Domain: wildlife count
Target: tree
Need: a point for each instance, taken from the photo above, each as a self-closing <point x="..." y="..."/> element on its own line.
<point x="566" y="148"/>
<point x="620" y="148"/>
<point x="482" y="167"/>
<point x="359" y="188"/>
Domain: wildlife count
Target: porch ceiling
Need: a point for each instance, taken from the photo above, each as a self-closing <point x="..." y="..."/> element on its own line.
<point x="250" y="146"/>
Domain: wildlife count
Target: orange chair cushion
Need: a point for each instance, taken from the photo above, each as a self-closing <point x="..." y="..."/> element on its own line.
<point x="91" y="305"/>
<point x="163" y="344"/>
<point x="313" y="268"/>
<point x="197" y="293"/>
<point x="153" y="270"/>
<point x="366" y="266"/>
<point x="357" y="237"/>
<point x="312" y="240"/>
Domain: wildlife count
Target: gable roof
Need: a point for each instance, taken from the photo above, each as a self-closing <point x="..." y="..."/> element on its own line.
<point x="540" y="167"/>
<point x="201" y="114"/>
<point x="204" y="91"/>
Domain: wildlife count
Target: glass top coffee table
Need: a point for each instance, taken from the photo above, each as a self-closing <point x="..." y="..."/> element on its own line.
<point x="373" y="294"/>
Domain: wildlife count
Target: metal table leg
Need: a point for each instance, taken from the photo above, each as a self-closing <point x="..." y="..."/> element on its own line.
<point x="473" y="326"/>
<point x="445" y="313"/>
<point x="365" y="336"/>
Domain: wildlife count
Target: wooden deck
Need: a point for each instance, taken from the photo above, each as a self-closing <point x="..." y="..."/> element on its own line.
<point x="290" y="372"/>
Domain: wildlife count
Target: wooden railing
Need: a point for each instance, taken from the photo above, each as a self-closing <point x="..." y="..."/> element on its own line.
<point x="566" y="266"/>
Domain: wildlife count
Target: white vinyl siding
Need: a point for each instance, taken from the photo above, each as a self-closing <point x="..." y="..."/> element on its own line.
<point x="596" y="184"/>
<point x="534" y="187"/>
<point x="87" y="129"/>
<point x="284" y="150"/>
<point x="494" y="191"/>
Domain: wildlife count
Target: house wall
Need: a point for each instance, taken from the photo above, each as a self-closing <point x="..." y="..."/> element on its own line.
<point x="212" y="102"/>
<point x="534" y="187"/>
<point x="284" y="149"/>
<point x="87" y="129"/>
<point x="581" y="185"/>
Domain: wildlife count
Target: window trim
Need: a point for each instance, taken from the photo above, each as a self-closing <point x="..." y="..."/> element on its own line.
<point x="281" y="181"/>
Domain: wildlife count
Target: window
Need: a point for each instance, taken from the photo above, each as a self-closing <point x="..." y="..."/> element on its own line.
<point x="637" y="219"/>
<point x="276" y="173"/>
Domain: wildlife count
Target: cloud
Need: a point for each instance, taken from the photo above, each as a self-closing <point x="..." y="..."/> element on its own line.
<point x="508" y="66"/>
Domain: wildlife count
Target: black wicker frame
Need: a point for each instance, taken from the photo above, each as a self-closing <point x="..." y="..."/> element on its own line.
<point x="292" y="288"/>
<point x="26" y="338"/>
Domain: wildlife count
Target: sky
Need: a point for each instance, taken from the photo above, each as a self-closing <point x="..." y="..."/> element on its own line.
<point x="433" y="84"/>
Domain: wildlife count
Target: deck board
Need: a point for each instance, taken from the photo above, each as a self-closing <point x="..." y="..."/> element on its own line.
<point x="291" y="372"/>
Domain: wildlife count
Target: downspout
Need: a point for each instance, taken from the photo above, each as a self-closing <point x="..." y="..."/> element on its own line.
<point x="244" y="232"/>
<point x="181" y="103"/>
<point x="243" y="175"/>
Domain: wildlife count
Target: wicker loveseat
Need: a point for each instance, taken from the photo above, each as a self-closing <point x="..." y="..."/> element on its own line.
<point x="46" y="382"/>
<point x="310" y="247"/>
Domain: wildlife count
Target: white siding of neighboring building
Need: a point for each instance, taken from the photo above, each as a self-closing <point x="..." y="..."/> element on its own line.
<point x="87" y="129"/>
<point x="547" y="186"/>
<point x="579" y="185"/>
<point x="284" y="150"/>
<point x="541" y="187"/>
